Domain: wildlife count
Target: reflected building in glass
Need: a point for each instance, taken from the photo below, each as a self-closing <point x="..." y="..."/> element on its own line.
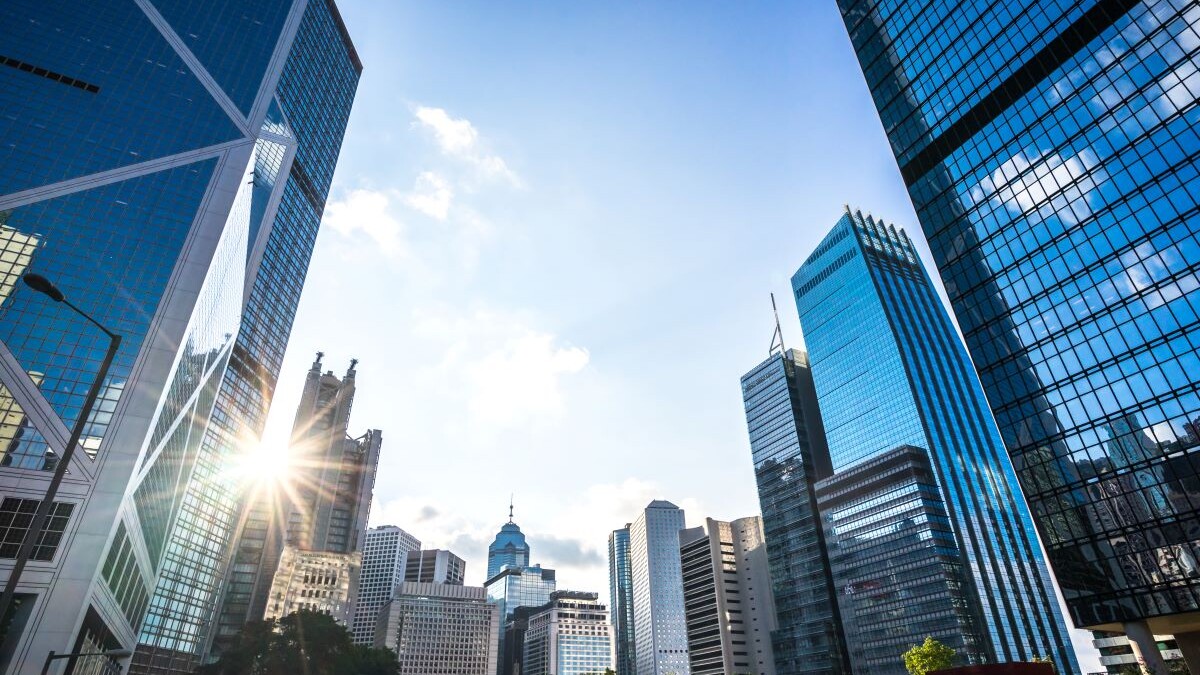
<point x="1052" y="160"/>
<point x="787" y="443"/>
<point x="166" y="165"/>
<point x="891" y="375"/>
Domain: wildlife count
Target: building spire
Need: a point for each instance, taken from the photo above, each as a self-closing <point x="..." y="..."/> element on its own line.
<point x="510" y="507"/>
<point x="777" y="337"/>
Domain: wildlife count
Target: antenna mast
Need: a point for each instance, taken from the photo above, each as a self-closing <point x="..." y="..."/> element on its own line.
<point x="777" y="337"/>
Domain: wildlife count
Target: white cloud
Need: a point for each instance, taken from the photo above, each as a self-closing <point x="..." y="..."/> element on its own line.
<point x="431" y="195"/>
<point x="509" y="373"/>
<point x="460" y="139"/>
<point x="367" y="211"/>
<point x="1044" y="184"/>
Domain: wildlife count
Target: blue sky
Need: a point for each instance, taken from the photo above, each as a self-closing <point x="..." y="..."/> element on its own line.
<point x="551" y="242"/>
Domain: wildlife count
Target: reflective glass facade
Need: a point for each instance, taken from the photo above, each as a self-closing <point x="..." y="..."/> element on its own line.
<point x="148" y="152"/>
<point x="620" y="587"/>
<point x="508" y="548"/>
<point x="520" y="587"/>
<point x="1050" y="149"/>
<point x="659" y="619"/>
<point x="895" y="561"/>
<point x="889" y="371"/>
<point x="789" y="452"/>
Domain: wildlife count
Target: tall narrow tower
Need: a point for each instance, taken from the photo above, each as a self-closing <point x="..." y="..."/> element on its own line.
<point x="892" y="376"/>
<point x="659" y="621"/>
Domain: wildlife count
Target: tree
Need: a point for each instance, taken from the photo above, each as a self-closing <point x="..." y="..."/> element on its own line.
<point x="928" y="657"/>
<point x="304" y="642"/>
<point x="1044" y="659"/>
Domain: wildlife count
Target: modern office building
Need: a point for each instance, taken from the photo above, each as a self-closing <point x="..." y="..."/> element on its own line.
<point x="1052" y="162"/>
<point x="508" y="548"/>
<point x="620" y="588"/>
<point x="440" y="628"/>
<point x="384" y="553"/>
<point x="434" y="566"/>
<point x="889" y="372"/>
<point x="896" y="562"/>
<point x="325" y="508"/>
<point x="166" y="166"/>
<point x="570" y="635"/>
<point x="315" y="581"/>
<point x="517" y="587"/>
<point x="787" y="442"/>
<point x="727" y="597"/>
<point x="659" y="621"/>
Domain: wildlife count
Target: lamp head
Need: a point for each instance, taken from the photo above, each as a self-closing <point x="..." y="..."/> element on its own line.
<point x="43" y="285"/>
<point x="118" y="653"/>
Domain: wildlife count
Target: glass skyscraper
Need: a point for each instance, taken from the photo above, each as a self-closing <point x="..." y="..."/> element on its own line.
<point x="620" y="588"/>
<point x="508" y="548"/>
<point x="889" y="371"/>
<point x="788" y="446"/>
<point x="165" y="163"/>
<point x="1051" y="151"/>
<point x="659" y="619"/>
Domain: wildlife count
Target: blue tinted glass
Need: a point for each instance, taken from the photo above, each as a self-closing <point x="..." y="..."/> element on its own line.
<point x="147" y="104"/>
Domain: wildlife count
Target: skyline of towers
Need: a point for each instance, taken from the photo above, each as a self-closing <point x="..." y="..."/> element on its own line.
<point x="889" y="372"/>
<point x="659" y="621"/>
<point x="139" y="128"/>
<point x="1054" y="174"/>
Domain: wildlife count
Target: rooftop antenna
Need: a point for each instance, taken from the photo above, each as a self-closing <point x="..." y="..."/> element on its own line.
<point x="510" y="507"/>
<point x="777" y="337"/>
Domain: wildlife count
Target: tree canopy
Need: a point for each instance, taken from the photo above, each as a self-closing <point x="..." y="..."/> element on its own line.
<point x="304" y="642"/>
<point x="928" y="657"/>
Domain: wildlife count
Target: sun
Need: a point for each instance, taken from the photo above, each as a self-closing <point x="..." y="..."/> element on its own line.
<point x="263" y="465"/>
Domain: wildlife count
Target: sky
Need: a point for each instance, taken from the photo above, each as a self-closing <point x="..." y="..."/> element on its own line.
<point x="551" y="243"/>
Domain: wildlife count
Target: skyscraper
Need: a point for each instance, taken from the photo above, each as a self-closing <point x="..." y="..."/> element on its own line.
<point x="570" y="635"/>
<point x="727" y="597"/>
<point x="508" y="548"/>
<point x="510" y="590"/>
<point x="620" y="588"/>
<point x="1052" y="163"/>
<point x="322" y="521"/>
<point x="166" y="166"/>
<point x="385" y="551"/>
<point x="434" y="566"/>
<point x="890" y="372"/>
<point x="659" y="621"/>
<point x="787" y="441"/>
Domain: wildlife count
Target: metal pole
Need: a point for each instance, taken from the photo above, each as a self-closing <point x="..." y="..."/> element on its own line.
<point x="46" y="667"/>
<point x="39" y="519"/>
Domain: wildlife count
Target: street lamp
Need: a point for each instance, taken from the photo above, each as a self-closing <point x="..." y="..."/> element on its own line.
<point x="112" y="654"/>
<point x="44" y="286"/>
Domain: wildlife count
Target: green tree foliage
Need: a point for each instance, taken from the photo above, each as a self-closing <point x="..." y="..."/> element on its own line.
<point x="928" y="657"/>
<point x="305" y="642"/>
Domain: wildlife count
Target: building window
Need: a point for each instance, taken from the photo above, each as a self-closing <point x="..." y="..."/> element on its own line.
<point x="16" y="515"/>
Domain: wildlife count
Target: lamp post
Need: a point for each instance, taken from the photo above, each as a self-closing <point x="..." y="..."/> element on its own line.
<point x="112" y="654"/>
<point x="44" y="286"/>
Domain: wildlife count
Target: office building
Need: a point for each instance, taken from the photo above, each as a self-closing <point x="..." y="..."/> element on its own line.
<point x="384" y="552"/>
<point x="508" y="548"/>
<point x="440" y="628"/>
<point x="434" y="566"/>
<point x="787" y="443"/>
<point x="620" y="587"/>
<point x="570" y="635"/>
<point x="889" y="508"/>
<point x="1051" y="161"/>
<point x="727" y="597"/>
<point x="324" y="510"/>
<point x="889" y="371"/>
<point x="659" y="621"/>
<point x="315" y="581"/>
<point x="172" y="164"/>
<point x="517" y="587"/>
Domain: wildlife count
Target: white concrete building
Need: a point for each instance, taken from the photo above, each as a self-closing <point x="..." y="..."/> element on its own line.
<point x="441" y="628"/>
<point x="659" y="620"/>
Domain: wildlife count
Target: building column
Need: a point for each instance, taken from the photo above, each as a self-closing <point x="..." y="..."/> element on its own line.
<point x="1189" y="644"/>
<point x="1145" y="647"/>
